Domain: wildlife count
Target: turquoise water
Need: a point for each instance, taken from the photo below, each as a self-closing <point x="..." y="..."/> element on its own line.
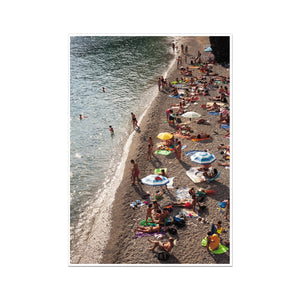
<point x="128" y="68"/>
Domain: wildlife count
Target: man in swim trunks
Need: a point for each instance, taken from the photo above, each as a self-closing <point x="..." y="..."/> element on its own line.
<point x="134" y="172"/>
<point x="167" y="246"/>
<point x="134" y="121"/>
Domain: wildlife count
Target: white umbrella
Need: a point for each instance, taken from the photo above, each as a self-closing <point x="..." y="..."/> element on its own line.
<point x="155" y="180"/>
<point x="191" y="115"/>
<point x="203" y="158"/>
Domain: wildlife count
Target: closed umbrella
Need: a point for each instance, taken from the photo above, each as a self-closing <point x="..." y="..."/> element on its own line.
<point x="203" y="158"/>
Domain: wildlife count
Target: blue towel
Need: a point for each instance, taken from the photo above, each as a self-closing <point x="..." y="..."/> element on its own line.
<point x="215" y="113"/>
<point x="174" y="96"/>
<point x="225" y="126"/>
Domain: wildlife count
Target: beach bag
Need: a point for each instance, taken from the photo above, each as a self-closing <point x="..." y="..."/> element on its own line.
<point x="172" y="230"/>
<point x="178" y="222"/>
<point x="209" y="192"/>
<point x="163" y="255"/>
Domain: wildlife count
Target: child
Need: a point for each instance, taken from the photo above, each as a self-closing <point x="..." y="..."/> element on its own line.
<point x="149" y="213"/>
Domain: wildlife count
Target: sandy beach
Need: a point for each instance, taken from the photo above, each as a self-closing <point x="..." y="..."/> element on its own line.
<point x="122" y="246"/>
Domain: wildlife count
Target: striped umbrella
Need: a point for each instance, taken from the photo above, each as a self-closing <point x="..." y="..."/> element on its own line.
<point x="203" y="158"/>
<point x="155" y="180"/>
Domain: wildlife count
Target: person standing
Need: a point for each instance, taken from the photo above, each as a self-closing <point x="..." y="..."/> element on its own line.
<point x="111" y="130"/>
<point x="134" y="120"/>
<point x="134" y="172"/>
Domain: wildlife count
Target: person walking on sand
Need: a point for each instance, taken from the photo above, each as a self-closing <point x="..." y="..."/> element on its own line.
<point x="149" y="152"/>
<point x="134" y="172"/>
<point x="178" y="151"/>
<point x="111" y="130"/>
<point x="134" y="120"/>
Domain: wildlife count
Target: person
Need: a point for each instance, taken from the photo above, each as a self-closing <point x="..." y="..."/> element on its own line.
<point x="134" y="120"/>
<point x="214" y="106"/>
<point x="111" y="130"/>
<point x="150" y="141"/>
<point x="167" y="246"/>
<point x="134" y="172"/>
<point x="159" y="83"/>
<point x="227" y="208"/>
<point x="103" y="90"/>
<point x="213" y="241"/>
<point x="161" y="216"/>
<point x="149" y="213"/>
<point x="148" y="229"/>
<point x="211" y="173"/>
<point x="80" y="117"/>
<point x="149" y="152"/>
<point x="187" y="204"/>
<point x="203" y="121"/>
<point x="192" y="191"/>
<point x="173" y="46"/>
<point x="217" y="228"/>
<point x="156" y="206"/>
<point x="178" y="151"/>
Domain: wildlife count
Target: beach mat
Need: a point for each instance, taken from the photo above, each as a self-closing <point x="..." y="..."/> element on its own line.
<point x="214" y="113"/>
<point x="220" y="104"/>
<point x="156" y="171"/>
<point x="195" y="175"/>
<point x="189" y="213"/>
<point x="222" y="249"/>
<point x="225" y="126"/>
<point x="149" y="223"/>
<point x="163" y="152"/>
<point x="172" y="96"/>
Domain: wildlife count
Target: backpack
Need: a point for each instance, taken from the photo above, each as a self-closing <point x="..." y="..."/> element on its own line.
<point x="163" y="255"/>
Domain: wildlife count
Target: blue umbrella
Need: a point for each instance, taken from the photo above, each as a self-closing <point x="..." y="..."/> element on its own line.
<point x="208" y="49"/>
<point x="155" y="180"/>
<point x="203" y="158"/>
<point x="191" y="152"/>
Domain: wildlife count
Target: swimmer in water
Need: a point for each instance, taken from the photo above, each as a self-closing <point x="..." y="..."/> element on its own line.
<point x="80" y="117"/>
<point x="111" y="130"/>
<point x="103" y="90"/>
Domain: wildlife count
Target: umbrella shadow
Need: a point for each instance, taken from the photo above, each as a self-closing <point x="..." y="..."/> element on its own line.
<point x="185" y="165"/>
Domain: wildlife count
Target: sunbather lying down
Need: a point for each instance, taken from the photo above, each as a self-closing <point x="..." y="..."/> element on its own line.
<point x="148" y="229"/>
<point x="166" y="246"/>
<point x="200" y="136"/>
<point x="203" y="121"/>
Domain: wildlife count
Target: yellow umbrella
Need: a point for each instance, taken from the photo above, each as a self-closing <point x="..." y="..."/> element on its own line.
<point x="165" y="136"/>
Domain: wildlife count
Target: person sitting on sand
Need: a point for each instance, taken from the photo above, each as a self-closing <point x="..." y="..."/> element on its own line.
<point x="149" y="213"/>
<point x="161" y="216"/>
<point x="210" y="173"/>
<point x="167" y="246"/>
<point x="156" y="206"/>
<point x="213" y="241"/>
<point x="174" y="91"/>
<point x="148" y="229"/>
<point x="203" y="121"/>
<point x="212" y="107"/>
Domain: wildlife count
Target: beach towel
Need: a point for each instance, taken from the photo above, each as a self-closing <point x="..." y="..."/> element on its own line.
<point x="189" y="213"/>
<point x="225" y="126"/>
<point x="183" y="193"/>
<point x="195" y="175"/>
<point x="156" y="171"/>
<point x="220" y="250"/>
<point x="163" y="152"/>
<point x="174" y="96"/>
<point x="143" y="223"/>
<point x="170" y="184"/>
<point x="214" y="113"/>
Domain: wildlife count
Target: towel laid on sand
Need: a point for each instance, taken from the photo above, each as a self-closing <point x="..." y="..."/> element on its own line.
<point x="163" y="152"/>
<point x="189" y="213"/>
<point x="220" y="250"/>
<point x="214" y="113"/>
<point x="225" y="126"/>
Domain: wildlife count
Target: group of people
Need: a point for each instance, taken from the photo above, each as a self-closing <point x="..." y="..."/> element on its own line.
<point x="199" y="85"/>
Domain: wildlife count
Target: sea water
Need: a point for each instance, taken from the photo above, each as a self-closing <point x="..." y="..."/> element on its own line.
<point x="128" y="68"/>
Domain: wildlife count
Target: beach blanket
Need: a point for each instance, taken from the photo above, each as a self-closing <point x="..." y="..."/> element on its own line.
<point x="183" y="194"/>
<point x="220" y="250"/>
<point x="189" y="213"/>
<point x="225" y="126"/>
<point x="195" y="175"/>
<point x="156" y="171"/>
<point x="174" y="96"/>
<point x="163" y="152"/>
<point x="214" y="113"/>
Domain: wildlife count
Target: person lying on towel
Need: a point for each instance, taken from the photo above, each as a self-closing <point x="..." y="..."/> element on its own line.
<point x="148" y="229"/>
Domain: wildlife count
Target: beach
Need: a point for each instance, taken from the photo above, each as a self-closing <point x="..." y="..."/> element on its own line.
<point x="122" y="247"/>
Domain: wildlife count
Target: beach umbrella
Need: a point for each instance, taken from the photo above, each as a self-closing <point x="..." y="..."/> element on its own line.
<point x="191" y="114"/>
<point x="203" y="158"/>
<point x="165" y="136"/>
<point x="208" y="49"/>
<point x="155" y="180"/>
